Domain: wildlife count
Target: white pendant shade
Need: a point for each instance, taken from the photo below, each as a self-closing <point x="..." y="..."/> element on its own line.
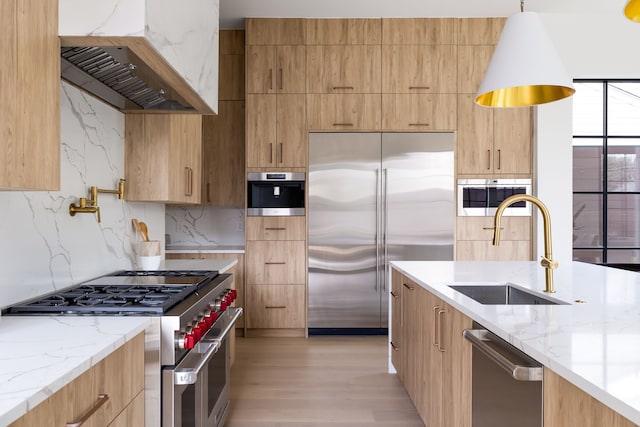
<point x="525" y="69"/>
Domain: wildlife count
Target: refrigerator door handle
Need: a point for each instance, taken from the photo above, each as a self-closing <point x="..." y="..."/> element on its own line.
<point x="385" y="215"/>
<point x="377" y="238"/>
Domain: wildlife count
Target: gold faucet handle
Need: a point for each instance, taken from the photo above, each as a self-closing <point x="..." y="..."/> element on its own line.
<point x="98" y="213"/>
<point x="548" y="263"/>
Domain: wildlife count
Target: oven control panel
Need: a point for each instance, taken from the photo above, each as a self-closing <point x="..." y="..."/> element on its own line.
<point x="197" y="328"/>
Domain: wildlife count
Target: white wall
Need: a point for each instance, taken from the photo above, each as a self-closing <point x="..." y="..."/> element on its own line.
<point x="592" y="45"/>
<point x="43" y="248"/>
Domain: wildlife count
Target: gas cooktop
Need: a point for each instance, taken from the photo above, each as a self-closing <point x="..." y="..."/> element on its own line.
<point x="128" y="292"/>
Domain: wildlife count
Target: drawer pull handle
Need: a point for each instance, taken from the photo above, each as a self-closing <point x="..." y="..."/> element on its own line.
<point x="102" y="399"/>
<point x="419" y="124"/>
<point x="491" y="228"/>
<point x="393" y="294"/>
<point x="394" y="347"/>
<point x="407" y="286"/>
<point x="275" y="228"/>
<point x="275" y="263"/>
<point x="343" y="87"/>
<point x="275" y="306"/>
<point x="419" y="87"/>
<point x="343" y="124"/>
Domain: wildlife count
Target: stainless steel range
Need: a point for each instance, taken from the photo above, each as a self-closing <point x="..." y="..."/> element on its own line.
<point x="186" y="346"/>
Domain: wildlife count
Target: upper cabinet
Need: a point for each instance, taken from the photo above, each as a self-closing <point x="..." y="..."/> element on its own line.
<point x="232" y="65"/>
<point x="275" y="69"/>
<point x="29" y="95"/>
<point x="163" y="157"/>
<point x="178" y="41"/>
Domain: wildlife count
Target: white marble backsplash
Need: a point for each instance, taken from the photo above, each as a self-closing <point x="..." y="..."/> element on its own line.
<point x="204" y="226"/>
<point x="43" y="248"/>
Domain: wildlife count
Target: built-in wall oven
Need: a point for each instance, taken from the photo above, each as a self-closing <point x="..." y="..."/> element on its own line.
<point x="187" y="365"/>
<point x="275" y="194"/>
<point x="481" y="197"/>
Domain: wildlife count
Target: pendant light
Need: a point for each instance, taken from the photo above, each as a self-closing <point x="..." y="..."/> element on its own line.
<point x="525" y="69"/>
<point x="632" y="10"/>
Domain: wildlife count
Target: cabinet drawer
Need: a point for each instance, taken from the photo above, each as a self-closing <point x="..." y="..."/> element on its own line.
<point x="481" y="228"/>
<point x="276" y="228"/>
<point x="276" y="306"/>
<point x="132" y="415"/>
<point x="343" y="31"/>
<point x="276" y="262"/>
<point x="344" y="69"/>
<point x="120" y="376"/>
<point x="344" y="112"/>
<point x="419" y="69"/>
<point x="419" y="112"/>
<point x="482" y="250"/>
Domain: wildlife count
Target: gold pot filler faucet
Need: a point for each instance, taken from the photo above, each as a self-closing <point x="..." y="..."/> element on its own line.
<point x="91" y="205"/>
<point x="547" y="261"/>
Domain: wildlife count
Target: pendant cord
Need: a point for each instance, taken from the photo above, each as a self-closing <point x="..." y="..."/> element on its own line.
<point x="521" y="5"/>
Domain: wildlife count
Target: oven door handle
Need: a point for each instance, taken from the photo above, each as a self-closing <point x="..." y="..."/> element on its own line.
<point x="233" y="314"/>
<point x="187" y="371"/>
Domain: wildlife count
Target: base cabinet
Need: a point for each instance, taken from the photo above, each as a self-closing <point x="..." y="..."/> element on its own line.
<point x="567" y="405"/>
<point x="435" y="360"/>
<point x="120" y="376"/>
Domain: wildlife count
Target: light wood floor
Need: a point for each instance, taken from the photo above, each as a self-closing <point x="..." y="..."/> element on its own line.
<point x="317" y="382"/>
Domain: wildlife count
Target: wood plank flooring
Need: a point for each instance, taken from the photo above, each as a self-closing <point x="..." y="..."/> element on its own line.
<point x="317" y="382"/>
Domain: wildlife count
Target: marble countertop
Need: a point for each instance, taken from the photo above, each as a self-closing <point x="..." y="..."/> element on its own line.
<point x="40" y="355"/>
<point x="197" y="249"/>
<point x="594" y="345"/>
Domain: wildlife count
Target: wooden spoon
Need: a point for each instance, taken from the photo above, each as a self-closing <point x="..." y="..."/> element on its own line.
<point x="144" y="231"/>
<point x="136" y="225"/>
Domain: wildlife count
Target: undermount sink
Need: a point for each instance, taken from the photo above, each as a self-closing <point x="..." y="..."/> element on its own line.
<point x="502" y="294"/>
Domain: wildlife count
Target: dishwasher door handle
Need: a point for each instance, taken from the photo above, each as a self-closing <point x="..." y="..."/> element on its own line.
<point x="531" y="370"/>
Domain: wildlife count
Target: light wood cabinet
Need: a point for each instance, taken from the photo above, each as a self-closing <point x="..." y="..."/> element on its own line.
<point x="275" y="31"/>
<point x="343" y="112"/>
<point x="163" y="157"/>
<point x="436" y="360"/>
<point x="343" y="31"/>
<point x="276" y="307"/>
<point x="30" y="95"/>
<point x="480" y="31"/>
<point x="276" y="228"/>
<point x="276" y="69"/>
<point x="419" y="112"/>
<point x="474" y="239"/>
<point x="344" y="69"/>
<point x="276" y="131"/>
<point x="565" y="404"/>
<point x="231" y="78"/>
<point x="419" y="68"/>
<point x="120" y="376"/>
<point x="276" y="262"/>
<point x="223" y="156"/>
<point x="395" y="342"/>
<point x="493" y="141"/>
<point x="419" y="31"/>
<point x="473" y="62"/>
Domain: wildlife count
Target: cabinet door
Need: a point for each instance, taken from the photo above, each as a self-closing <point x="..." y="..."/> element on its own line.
<point x="477" y="250"/>
<point x="413" y="335"/>
<point x="419" y="69"/>
<point x="430" y="407"/>
<point x="276" y="306"/>
<point x="276" y="228"/>
<point x="223" y="148"/>
<point x="231" y="79"/>
<point x="512" y="140"/>
<point x="343" y="112"/>
<point x="472" y="66"/>
<point x="276" y="262"/>
<point x="419" y="31"/>
<point x="30" y="95"/>
<point x="343" y="31"/>
<point x="419" y="112"/>
<point x="261" y="131"/>
<point x="261" y="69"/>
<point x="291" y="131"/>
<point x="456" y="369"/>
<point x="185" y="158"/>
<point x="474" y="142"/>
<point x="275" y="31"/>
<point x="396" y="322"/>
<point x="290" y="71"/>
<point x="344" y="69"/>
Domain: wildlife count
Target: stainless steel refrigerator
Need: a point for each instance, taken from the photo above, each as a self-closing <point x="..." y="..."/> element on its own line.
<point x="373" y="198"/>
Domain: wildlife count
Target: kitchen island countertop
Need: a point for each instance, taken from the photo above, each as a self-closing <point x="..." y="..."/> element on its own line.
<point x="594" y="343"/>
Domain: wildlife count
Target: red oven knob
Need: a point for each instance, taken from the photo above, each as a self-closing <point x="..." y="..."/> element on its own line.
<point x="213" y="316"/>
<point x="189" y="341"/>
<point x="234" y="294"/>
<point x="197" y="332"/>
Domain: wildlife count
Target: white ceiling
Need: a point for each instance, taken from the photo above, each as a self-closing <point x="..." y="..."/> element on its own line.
<point x="233" y="12"/>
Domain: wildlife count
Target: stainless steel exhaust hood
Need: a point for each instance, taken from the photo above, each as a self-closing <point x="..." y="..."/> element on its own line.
<point x="115" y="72"/>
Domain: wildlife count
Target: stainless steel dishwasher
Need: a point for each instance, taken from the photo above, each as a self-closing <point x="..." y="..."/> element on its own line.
<point x="507" y="384"/>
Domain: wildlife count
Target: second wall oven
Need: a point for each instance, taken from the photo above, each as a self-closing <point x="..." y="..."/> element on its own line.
<point x="481" y="197"/>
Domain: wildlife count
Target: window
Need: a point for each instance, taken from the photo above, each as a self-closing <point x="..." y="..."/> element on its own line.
<point x="606" y="171"/>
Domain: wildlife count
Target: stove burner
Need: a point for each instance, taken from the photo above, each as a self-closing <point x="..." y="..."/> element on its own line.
<point x="154" y="299"/>
<point x="51" y="301"/>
